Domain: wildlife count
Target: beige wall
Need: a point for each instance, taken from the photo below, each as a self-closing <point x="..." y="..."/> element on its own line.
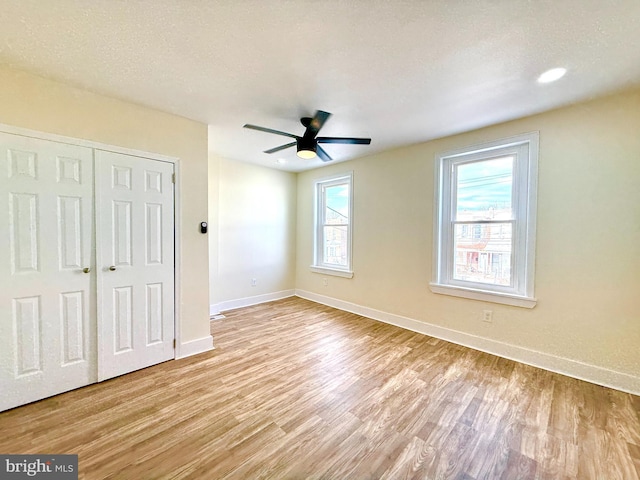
<point x="36" y="103"/>
<point x="255" y="212"/>
<point x="588" y="240"/>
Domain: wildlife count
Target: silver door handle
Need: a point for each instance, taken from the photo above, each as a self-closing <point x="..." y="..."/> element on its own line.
<point x="112" y="268"/>
<point x="86" y="270"/>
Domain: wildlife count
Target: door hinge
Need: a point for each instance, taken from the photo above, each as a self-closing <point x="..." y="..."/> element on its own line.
<point x="174" y="343"/>
<point x="173" y="178"/>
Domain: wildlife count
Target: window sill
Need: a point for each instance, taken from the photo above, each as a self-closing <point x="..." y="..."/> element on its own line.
<point x="332" y="271"/>
<point x="494" y="297"/>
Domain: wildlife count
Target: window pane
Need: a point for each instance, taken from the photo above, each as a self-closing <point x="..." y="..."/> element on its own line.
<point x="335" y="246"/>
<point x="483" y="253"/>
<point x="484" y="190"/>
<point x="337" y="205"/>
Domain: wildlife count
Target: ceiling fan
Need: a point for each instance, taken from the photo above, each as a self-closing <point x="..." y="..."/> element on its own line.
<point x="307" y="144"/>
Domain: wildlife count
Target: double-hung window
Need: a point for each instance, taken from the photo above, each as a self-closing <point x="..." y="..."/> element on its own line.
<point x="333" y="207"/>
<point x="485" y="221"/>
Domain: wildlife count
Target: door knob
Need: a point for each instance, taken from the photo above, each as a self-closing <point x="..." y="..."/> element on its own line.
<point x="86" y="270"/>
<point x="112" y="268"/>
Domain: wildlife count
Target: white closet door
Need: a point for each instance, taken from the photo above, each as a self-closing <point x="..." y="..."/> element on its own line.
<point x="47" y="324"/>
<point x="135" y="257"/>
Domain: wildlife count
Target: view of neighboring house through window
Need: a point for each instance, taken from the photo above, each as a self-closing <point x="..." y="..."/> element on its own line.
<point x="333" y="225"/>
<point x="484" y="190"/>
<point x="485" y="222"/>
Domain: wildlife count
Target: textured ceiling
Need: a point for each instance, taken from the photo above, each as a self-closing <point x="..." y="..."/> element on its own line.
<point x="400" y="72"/>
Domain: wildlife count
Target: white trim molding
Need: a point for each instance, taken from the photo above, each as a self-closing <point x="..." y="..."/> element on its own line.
<point x="494" y="297"/>
<point x="194" y="347"/>
<point x="565" y="366"/>
<point x="320" y="222"/>
<point x="513" y="255"/>
<point x="54" y="137"/>
<point x="225" y="306"/>
<point x="332" y="271"/>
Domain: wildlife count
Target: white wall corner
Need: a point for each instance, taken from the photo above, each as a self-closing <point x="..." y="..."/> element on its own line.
<point x="565" y="366"/>
<point x="217" y="308"/>
<point x="194" y="347"/>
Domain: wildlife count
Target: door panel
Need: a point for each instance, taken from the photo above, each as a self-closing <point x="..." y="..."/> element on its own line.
<point x="71" y="308"/>
<point x="23" y="227"/>
<point x="136" y="262"/>
<point x="27" y="340"/>
<point x="70" y="232"/>
<point x="47" y="325"/>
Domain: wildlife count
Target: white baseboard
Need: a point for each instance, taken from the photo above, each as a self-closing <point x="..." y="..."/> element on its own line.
<point x="565" y="366"/>
<point x="193" y="347"/>
<point x="216" y="308"/>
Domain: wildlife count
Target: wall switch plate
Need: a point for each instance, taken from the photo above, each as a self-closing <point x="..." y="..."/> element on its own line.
<point x="325" y="282"/>
<point x="254" y="282"/>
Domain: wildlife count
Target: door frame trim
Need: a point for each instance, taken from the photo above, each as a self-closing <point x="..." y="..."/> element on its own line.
<point x="177" y="225"/>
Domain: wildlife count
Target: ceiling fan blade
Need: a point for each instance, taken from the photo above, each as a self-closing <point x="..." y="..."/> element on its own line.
<point x="281" y="147"/>
<point x="269" y="130"/>
<point x="324" y="156"/>
<point x="354" y="141"/>
<point x="316" y="123"/>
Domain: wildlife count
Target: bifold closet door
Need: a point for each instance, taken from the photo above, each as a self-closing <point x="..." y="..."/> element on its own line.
<point x="135" y="262"/>
<point x="47" y="287"/>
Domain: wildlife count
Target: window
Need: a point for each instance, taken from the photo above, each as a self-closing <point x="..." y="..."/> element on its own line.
<point x="332" y="252"/>
<point x="484" y="223"/>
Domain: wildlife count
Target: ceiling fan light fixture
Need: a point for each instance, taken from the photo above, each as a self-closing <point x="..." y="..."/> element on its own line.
<point x="306" y="148"/>
<point x="306" y="154"/>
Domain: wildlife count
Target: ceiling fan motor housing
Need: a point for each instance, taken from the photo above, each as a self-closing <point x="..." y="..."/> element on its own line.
<point x="306" y="144"/>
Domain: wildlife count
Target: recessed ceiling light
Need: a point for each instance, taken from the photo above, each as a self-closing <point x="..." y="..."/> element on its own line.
<point x="552" y="75"/>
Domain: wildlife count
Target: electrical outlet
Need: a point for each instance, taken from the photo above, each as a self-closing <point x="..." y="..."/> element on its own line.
<point x="254" y="282"/>
<point x="325" y="282"/>
<point x="487" y="316"/>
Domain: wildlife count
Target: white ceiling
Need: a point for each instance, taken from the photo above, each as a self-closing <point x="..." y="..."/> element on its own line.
<point x="400" y="72"/>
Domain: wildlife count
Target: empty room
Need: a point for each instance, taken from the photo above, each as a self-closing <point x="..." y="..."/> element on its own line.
<point x="287" y="239"/>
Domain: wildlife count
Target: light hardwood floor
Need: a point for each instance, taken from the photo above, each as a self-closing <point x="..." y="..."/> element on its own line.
<point x="298" y="390"/>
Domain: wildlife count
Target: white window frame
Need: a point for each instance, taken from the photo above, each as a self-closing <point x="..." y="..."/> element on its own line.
<point x="318" y="223"/>
<point x="524" y="203"/>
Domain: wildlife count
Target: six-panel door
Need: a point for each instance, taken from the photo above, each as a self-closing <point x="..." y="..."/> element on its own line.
<point x="135" y="262"/>
<point x="47" y="301"/>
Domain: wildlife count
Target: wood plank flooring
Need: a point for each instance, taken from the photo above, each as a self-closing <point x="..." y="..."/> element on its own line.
<point x="297" y="390"/>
